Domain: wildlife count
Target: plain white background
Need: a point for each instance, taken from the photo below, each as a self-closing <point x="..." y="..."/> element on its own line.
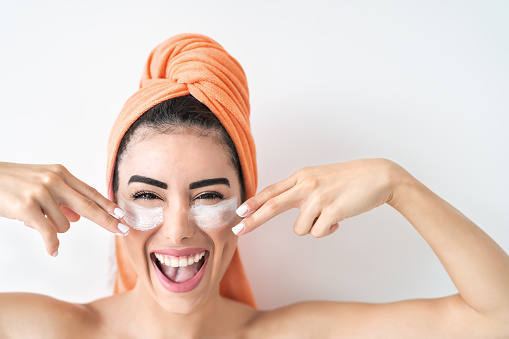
<point x="422" y="83"/>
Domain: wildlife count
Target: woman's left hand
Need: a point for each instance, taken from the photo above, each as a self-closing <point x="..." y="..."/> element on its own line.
<point x="325" y="196"/>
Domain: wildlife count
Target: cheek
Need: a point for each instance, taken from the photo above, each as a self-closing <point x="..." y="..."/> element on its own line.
<point x="135" y="243"/>
<point x="223" y="235"/>
<point x="225" y="243"/>
<point x="139" y="217"/>
<point x="215" y="218"/>
<point x="217" y="221"/>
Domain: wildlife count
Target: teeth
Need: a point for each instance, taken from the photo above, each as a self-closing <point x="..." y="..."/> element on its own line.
<point x="174" y="262"/>
<point x="179" y="261"/>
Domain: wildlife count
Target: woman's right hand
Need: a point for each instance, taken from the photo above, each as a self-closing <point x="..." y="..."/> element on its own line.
<point x="47" y="198"/>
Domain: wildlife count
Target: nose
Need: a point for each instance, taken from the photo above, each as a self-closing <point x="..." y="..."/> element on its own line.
<point x="176" y="224"/>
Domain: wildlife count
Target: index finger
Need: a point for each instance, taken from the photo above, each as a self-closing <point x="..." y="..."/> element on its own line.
<point x="92" y="194"/>
<point x="90" y="209"/>
<point x="274" y="206"/>
<point x="254" y="203"/>
<point x="88" y="202"/>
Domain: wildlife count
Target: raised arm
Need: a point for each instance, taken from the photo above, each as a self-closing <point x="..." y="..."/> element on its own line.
<point x="47" y="198"/>
<point x="477" y="265"/>
<point x="329" y="194"/>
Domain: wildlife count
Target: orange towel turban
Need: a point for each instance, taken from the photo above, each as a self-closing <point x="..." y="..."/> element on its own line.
<point x="197" y="65"/>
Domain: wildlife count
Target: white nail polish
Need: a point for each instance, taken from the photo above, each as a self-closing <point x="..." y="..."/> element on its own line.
<point x="123" y="228"/>
<point x="119" y="213"/>
<point x="241" y="210"/>
<point x="55" y="254"/>
<point x="237" y="229"/>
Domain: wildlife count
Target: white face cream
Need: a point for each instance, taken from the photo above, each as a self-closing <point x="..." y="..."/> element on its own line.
<point x="214" y="216"/>
<point x="141" y="218"/>
<point x="204" y="216"/>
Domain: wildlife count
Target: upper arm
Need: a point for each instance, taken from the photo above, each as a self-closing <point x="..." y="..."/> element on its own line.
<point x="23" y="315"/>
<point x="447" y="317"/>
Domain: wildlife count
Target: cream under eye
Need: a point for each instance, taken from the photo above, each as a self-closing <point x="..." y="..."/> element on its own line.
<point x="139" y="217"/>
<point x="214" y="216"/>
<point x="143" y="218"/>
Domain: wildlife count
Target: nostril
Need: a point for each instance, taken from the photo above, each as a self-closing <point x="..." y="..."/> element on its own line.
<point x="177" y="232"/>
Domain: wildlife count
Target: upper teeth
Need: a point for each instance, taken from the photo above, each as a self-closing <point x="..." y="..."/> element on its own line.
<point x="179" y="261"/>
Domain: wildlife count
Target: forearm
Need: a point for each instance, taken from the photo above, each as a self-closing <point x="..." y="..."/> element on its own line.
<point x="478" y="267"/>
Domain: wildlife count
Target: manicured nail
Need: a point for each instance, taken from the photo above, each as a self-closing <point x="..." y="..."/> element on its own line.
<point x="55" y="254"/>
<point x="242" y="210"/>
<point x="119" y="213"/>
<point x="124" y="230"/>
<point x="237" y="229"/>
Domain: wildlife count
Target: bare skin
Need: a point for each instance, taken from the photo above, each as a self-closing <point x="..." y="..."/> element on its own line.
<point x="325" y="195"/>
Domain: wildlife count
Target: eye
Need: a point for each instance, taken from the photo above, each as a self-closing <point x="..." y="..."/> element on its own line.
<point x="210" y="196"/>
<point x="144" y="195"/>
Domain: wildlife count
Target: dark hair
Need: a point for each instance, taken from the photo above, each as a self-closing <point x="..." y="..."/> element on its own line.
<point x="181" y="114"/>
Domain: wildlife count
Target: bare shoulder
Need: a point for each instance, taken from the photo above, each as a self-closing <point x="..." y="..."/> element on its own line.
<point x="29" y="315"/>
<point x="447" y="317"/>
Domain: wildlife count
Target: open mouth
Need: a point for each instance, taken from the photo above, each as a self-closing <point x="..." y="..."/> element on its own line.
<point x="180" y="273"/>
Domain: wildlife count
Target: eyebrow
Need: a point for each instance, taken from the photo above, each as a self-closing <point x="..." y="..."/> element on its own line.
<point x="150" y="181"/>
<point x="192" y="186"/>
<point x="209" y="182"/>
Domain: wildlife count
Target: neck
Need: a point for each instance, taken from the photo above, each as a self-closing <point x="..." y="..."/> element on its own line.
<point x="148" y="319"/>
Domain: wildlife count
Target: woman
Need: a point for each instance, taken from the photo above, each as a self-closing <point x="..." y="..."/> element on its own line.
<point x="181" y="161"/>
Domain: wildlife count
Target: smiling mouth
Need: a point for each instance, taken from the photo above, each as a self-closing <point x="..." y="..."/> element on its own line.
<point x="180" y="269"/>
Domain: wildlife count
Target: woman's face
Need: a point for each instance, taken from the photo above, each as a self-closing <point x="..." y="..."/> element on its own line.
<point x="177" y="174"/>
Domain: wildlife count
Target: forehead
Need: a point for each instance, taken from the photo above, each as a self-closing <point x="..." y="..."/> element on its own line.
<point x="176" y="155"/>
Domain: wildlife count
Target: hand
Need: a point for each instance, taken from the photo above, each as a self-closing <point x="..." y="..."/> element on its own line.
<point x="325" y="196"/>
<point x="47" y="198"/>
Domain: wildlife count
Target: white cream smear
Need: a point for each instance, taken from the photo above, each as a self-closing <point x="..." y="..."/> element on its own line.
<point x="204" y="216"/>
<point x="139" y="217"/>
<point x="214" y="216"/>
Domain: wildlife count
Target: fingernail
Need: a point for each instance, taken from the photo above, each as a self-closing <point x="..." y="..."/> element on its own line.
<point x="55" y="254"/>
<point x="119" y="212"/>
<point x="237" y="229"/>
<point x="241" y="211"/>
<point x="124" y="230"/>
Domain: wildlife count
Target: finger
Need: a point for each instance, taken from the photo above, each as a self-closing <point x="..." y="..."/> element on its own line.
<point x="269" y="192"/>
<point x="89" y="209"/>
<point x="39" y="222"/>
<point x="54" y="213"/>
<point x="334" y="228"/>
<point x="308" y="215"/>
<point x="91" y="193"/>
<point x="70" y="214"/>
<point x="322" y="226"/>
<point x="272" y="207"/>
